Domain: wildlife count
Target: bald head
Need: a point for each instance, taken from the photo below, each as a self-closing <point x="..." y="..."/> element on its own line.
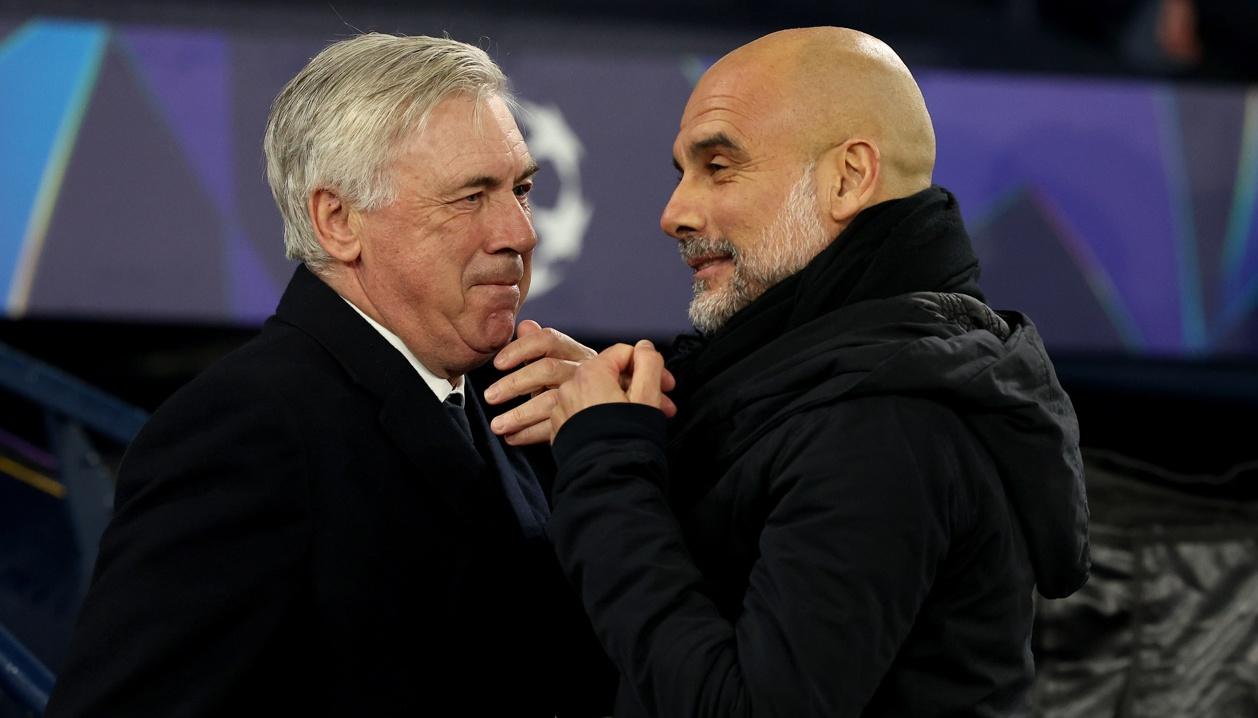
<point x="830" y="85"/>
<point x="783" y="143"/>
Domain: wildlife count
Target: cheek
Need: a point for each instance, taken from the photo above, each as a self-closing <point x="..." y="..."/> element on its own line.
<point x="729" y="213"/>
<point x="747" y="220"/>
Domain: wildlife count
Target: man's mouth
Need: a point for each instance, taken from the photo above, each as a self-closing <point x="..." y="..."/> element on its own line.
<point x="708" y="265"/>
<point x="501" y="276"/>
<point x="698" y="264"/>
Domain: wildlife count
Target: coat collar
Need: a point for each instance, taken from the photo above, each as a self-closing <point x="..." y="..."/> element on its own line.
<point x="410" y="415"/>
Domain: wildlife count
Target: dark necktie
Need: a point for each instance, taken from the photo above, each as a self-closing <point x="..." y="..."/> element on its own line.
<point x="519" y="483"/>
<point x="454" y="407"/>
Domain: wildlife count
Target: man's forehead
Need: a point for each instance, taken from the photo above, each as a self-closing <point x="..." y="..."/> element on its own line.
<point x="721" y="122"/>
<point x="736" y="95"/>
<point x="457" y="128"/>
<point x="720" y="89"/>
<point x="748" y="79"/>
<point x="462" y="120"/>
<point x="713" y="135"/>
<point x="500" y="165"/>
<point x="476" y="161"/>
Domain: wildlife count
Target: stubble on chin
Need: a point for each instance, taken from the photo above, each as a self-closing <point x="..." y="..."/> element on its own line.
<point x="786" y="246"/>
<point x="711" y="307"/>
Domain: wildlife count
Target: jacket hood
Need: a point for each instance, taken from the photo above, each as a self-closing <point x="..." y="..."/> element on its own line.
<point x="991" y="368"/>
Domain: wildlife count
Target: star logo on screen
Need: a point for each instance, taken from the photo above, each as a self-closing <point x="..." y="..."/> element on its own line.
<point x="561" y="224"/>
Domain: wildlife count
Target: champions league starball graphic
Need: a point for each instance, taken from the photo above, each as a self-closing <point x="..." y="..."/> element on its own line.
<point x="561" y="226"/>
<point x="1154" y="252"/>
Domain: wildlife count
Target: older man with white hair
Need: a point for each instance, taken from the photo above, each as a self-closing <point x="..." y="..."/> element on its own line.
<point x="322" y="523"/>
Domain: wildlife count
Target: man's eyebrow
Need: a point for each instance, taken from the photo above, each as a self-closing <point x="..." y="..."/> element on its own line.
<point x="490" y="182"/>
<point x="720" y="140"/>
<point x="529" y="171"/>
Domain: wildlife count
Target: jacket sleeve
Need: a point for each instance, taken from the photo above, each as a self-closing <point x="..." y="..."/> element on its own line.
<point x="198" y="567"/>
<point x="848" y="552"/>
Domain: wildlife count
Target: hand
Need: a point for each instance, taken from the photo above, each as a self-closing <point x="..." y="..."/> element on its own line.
<point x="620" y="374"/>
<point x="546" y="358"/>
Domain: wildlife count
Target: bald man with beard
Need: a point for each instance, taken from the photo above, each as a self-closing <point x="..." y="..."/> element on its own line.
<point x="867" y="471"/>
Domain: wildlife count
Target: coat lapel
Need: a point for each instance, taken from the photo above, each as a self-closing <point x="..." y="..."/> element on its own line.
<point x="410" y="415"/>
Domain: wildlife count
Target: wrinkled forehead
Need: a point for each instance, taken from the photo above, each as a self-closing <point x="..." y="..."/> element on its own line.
<point x="739" y="100"/>
<point x="465" y="135"/>
<point x="462" y="122"/>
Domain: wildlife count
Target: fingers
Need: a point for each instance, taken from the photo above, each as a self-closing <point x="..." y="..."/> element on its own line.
<point x="648" y="367"/>
<point x="533" y="342"/>
<point x="618" y="357"/>
<point x="668" y="407"/>
<point x="530" y="379"/>
<point x="536" y="434"/>
<point x="531" y="412"/>
<point x="617" y="374"/>
<point x="667" y="382"/>
<point x="596" y="381"/>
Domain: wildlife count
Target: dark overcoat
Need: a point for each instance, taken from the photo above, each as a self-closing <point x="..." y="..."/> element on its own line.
<point x="302" y="530"/>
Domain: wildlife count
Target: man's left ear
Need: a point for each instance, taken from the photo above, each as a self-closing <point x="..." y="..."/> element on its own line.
<point x="334" y="225"/>
<point x="854" y="165"/>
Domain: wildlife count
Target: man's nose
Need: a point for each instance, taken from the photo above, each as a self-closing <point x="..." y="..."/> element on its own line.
<point x="513" y="229"/>
<point x="683" y="215"/>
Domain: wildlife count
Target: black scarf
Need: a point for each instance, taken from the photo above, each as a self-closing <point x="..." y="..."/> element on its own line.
<point x="913" y="244"/>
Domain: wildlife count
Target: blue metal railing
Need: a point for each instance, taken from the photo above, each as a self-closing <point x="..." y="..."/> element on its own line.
<point x="67" y="396"/>
<point x="71" y="407"/>
<point x="22" y="676"/>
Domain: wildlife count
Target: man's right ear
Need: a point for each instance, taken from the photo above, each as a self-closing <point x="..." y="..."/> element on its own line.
<point x="334" y="225"/>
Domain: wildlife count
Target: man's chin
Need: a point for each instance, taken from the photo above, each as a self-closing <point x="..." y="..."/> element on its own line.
<point x="710" y="310"/>
<point x="494" y="332"/>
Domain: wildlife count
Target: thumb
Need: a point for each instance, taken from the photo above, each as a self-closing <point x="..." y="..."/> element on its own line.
<point x="527" y="327"/>
<point x="648" y="364"/>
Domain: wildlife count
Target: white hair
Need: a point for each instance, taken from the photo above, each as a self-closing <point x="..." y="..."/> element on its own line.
<point x="337" y="123"/>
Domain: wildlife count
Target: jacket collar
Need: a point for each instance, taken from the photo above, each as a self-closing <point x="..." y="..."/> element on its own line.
<point x="410" y="415"/>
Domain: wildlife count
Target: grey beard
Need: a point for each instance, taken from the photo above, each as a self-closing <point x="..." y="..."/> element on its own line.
<point x="711" y="308"/>
<point x="786" y="246"/>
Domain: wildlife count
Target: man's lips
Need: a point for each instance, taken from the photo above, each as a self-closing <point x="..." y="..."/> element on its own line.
<point x="507" y="273"/>
<point x="707" y="264"/>
<point x="504" y="278"/>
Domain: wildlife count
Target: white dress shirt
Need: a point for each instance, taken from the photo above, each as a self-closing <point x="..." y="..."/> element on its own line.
<point x="441" y="387"/>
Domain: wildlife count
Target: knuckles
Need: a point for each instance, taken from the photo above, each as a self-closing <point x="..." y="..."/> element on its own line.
<point x="549" y="366"/>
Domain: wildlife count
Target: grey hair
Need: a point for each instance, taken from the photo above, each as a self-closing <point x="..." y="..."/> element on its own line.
<point x="337" y="123"/>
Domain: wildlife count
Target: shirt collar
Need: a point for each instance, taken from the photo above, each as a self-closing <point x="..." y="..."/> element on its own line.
<point x="440" y="387"/>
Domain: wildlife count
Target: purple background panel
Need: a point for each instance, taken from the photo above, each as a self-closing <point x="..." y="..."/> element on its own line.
<point x="260" y="64"/>
<point x="1112" y="211"/>
<point x="133" y="234"/>
<point x="1039" y="276"/>
<point x="1094" y="150"/>
<point x="629" y="279"/>
<point x="187" y="77"/>
<point x="1211" y="120"/>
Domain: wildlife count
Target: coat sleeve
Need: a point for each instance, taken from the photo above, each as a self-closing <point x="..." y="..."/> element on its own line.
<point x="848" y="552"/>
<point x="199" y="565"/>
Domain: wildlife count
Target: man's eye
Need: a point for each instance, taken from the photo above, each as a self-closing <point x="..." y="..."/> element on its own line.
<point x="522" y="193"/>
<point x="716" y="167"/>
<point x="474" y="198"/>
